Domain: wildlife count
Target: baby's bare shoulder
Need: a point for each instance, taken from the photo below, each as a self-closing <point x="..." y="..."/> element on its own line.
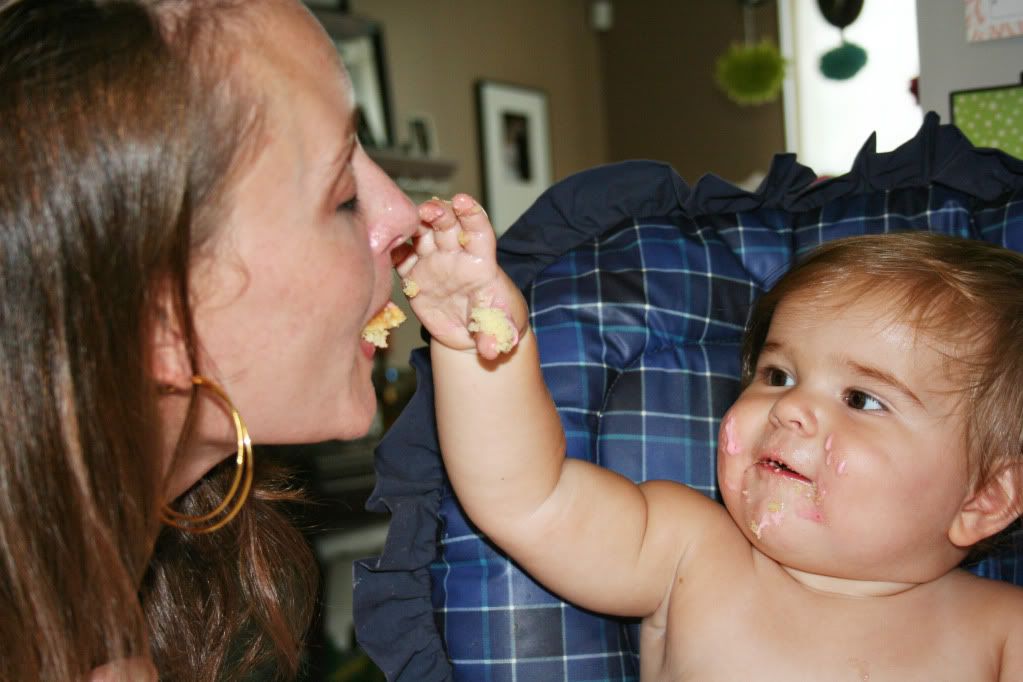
<point x="988" y="591"/>
<point x="999" y="605"/>
<point x="995" y="603"/>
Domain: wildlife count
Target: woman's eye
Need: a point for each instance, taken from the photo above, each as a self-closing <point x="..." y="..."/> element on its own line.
<point x="776" y="377"/>
<point x="858" y="400"/>
<point x="349" y="206"/>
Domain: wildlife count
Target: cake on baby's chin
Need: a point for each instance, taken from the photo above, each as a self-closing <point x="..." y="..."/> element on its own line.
<point x="379" y="327"/>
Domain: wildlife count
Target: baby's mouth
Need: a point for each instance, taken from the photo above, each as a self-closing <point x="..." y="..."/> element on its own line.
<point x="780" y="468"/>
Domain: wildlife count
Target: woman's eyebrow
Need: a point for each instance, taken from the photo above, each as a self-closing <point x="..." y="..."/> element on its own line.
<point x="884" y="377"/>
<point x="339" y="160"/>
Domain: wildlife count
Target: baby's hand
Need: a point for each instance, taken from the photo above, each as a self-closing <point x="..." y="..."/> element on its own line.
<point x="454" y="284"/>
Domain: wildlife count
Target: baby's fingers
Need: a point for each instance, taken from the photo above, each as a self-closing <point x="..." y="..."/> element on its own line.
<point x="494" y="331"/>
<point x="404" y="258"/>
<point x="477" y="233"/>
<point x="487" y="346"/>
<point x="441" y="217"/>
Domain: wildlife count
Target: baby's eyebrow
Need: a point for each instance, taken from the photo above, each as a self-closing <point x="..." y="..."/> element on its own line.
<point x="884" y="377"/>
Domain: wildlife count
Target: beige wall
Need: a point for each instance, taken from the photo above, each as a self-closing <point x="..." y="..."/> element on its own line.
<point x="437" y="49"/>
<point x="662" y="101"/>
<point x="644" y="89"/>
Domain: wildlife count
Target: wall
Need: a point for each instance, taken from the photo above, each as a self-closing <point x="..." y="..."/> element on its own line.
<point x="948" y="62"/>
<point x="437" y="49"/>
<point x="829" y="119"/>
<point x="662" y="101"/>
<point x="644" y="89"/>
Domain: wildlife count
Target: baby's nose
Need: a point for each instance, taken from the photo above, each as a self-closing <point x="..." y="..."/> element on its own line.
<point x="794" y="411"/>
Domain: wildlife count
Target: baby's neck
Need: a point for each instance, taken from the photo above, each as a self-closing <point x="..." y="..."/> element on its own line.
<point x="843" y="587"/>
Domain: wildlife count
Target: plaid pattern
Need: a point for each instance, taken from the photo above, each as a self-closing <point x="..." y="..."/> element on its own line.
<point x="639" y="332"/>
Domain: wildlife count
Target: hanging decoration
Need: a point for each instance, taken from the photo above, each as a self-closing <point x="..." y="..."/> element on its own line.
<point x="751" y="72"/>
<point x="846" y="60"/>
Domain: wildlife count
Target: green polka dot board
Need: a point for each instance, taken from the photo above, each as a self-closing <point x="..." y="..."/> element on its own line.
<point x="991" y="117"/>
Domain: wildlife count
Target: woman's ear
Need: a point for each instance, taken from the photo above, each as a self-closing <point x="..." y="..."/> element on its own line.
<point x="125" y="670"/>
<point x="990" y="508"/>
<point x="169" y="362"/>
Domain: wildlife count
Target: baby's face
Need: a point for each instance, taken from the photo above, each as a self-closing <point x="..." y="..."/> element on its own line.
<point x="845" y="457"/>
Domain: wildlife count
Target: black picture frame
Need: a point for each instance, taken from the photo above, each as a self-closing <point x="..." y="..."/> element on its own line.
<point x="360" y="42"/>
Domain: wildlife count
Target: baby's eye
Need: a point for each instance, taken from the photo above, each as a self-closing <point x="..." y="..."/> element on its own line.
<point x="776" y="377"/>
<point x="858" y="400"/>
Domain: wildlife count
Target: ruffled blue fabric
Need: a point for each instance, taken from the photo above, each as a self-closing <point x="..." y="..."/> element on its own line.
<point x="394" y="601"/>
<point x="391" y="593"/>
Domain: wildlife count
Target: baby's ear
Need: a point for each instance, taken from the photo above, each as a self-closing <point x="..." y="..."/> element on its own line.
<point x="990" y="508"/>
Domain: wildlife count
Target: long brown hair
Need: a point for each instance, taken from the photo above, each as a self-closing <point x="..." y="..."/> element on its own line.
<point x="116" y="150"/>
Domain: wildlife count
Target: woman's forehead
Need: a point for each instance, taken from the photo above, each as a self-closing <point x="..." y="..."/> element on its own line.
<point x="287" y="43"/>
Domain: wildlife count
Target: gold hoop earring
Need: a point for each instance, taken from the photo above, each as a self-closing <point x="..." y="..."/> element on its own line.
<point x="237" y="494"/>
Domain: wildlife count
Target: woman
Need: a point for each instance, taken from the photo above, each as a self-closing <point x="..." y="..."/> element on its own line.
<point x="191" y="242"/>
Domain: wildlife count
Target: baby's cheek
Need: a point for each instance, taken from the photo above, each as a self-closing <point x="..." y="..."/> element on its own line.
<point x="730" y="446"/>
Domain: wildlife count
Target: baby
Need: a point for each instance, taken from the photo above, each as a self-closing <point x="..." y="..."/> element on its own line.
<point x="876" y="442"/>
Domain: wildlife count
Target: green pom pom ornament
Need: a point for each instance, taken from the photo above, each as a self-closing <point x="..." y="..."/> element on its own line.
<point x="751" y="74"/>
<point x="843" y="62"/>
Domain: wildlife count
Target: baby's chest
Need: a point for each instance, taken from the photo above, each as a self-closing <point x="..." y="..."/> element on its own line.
<point x="764" y="641"/>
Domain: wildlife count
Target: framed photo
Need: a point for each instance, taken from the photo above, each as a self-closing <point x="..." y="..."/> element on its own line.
<point x="515" y="149"/>
<point x="993" y="19"/>
<point x="422" y="135"/>
<point x="991" y="117"/>
<point x="360" y="43"/>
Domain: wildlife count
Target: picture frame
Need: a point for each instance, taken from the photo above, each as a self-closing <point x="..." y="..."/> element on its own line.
<point x="990" y="116"/>
<point x="993" y="19"/>
<point x="360" y="43"/>
<point x="422" y="134"/>
<point x="515" y="148"/>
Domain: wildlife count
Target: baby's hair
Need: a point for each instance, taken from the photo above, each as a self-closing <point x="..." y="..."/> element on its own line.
<point x="965" y="294"/>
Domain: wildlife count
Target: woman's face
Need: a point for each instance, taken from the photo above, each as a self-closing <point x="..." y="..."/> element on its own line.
<point x="303" y="260"/>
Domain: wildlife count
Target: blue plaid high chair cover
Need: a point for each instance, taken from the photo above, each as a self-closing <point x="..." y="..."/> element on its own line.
<point x="639" y="288"/>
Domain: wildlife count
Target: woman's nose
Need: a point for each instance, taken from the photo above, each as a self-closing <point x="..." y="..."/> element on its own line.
<point x="391" y="216"/>
<point x="794" y="411"/>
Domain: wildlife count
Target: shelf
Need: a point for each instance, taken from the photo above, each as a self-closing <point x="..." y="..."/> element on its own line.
<point x="399" y="165"/>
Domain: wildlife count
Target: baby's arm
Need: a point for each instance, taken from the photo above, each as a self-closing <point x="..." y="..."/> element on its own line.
<point x="587" y="533"/>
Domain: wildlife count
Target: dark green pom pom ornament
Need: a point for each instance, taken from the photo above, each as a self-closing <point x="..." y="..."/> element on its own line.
<point x="843" y="62"/>
<point x="847" y="59"/>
